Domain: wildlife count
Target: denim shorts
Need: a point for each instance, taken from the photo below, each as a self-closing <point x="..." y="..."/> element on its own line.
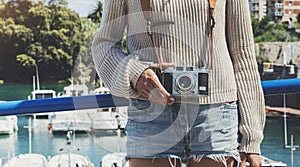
<point x="182" y="131"/>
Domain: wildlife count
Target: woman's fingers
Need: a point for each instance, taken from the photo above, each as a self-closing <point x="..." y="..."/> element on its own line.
<point x="150" y="87"/>
<point x="164" y="65"/>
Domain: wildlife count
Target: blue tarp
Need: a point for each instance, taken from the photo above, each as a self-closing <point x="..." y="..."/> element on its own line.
<point x="107" y="100"/>
<point x="283" y="86"/>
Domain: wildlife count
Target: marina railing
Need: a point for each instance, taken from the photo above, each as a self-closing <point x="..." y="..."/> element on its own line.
<point x="20" y="107"/>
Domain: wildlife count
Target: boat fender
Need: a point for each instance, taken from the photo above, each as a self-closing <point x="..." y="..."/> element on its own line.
<point x="49" y="127"/>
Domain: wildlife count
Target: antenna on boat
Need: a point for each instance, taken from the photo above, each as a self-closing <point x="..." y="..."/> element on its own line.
<point x="292" y="146"/>
<point x="69" y="133"/>
<point x="284" y="121"/>
<point x="33" y="82"/>
<point x="37" y="77"/>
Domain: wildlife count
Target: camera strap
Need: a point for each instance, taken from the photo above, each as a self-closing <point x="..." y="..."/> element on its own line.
<point x="147" y="7"/>
<point x="212" y="6"/>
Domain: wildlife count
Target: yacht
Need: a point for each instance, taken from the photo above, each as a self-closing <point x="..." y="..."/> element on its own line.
<point x="88" y="120"/>
<point x="114" y="159"/>
<point x="74" y="90"/>
<point x="29" y="159"/>
<point x="269" y="162"/>
<point x="69" y="159"/>
<point x="112" y="118"/>
<point x="76" y="120"/>
<point x="108" y="119"/>
<point x="38" y="94"/>
<point x="42" y="94"/>
<point x="8" y="124"/>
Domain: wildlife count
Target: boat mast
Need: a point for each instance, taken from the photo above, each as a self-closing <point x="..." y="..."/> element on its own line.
<point x="285" y="122"/>
<point x="29" y="127"/>
<point x="37" y="77"/>
<point x="33" y="82"/>
<point x="69" y="147"/>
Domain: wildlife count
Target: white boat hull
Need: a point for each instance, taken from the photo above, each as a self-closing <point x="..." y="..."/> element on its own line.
<point x="77" y="121"/>
<point x="8" y="124"/>
<point x="28" y="160"/>
<point x="75" y="160"/>
<point x="114" y="159"/>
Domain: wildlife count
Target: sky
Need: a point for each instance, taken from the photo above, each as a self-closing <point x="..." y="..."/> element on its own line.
<point x="82" y="7"/>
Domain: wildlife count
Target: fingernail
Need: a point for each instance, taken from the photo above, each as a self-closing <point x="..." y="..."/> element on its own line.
<point x="171" y="101"/>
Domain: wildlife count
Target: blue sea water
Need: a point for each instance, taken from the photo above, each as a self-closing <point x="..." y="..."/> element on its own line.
<point x="48" y="144"/>
<point x="273" y="143"/>
<point x="96" y="146"/>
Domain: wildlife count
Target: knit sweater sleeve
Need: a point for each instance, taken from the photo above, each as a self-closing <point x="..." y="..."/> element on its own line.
<point x="250" y="95"/>
<point x="118" y="70"/>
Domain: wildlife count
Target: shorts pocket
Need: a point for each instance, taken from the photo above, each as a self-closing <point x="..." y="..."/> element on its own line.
<point x="229" y="118"/>
<point x="142" y="110"/>
<point x="136" y="104"/>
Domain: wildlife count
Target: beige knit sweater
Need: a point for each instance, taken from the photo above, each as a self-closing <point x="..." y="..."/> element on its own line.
<point x="182" y="37"/>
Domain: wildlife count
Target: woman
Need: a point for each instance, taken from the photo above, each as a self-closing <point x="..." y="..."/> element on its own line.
<point x="196" y="129"/>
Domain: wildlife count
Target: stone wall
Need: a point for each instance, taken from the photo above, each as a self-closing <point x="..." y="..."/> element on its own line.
<point x="270" y="50"/>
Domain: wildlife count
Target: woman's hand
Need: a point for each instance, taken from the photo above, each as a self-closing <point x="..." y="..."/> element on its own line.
<point x="150" y="87"/>
<point x="253" y="159"/>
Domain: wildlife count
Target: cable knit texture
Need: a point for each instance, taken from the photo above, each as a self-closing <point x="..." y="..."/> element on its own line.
<point x="181" y="33"/>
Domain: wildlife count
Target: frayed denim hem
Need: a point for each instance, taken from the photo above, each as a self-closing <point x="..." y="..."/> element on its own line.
<point x="169" y="157"/>
<point x="196" y="157"/>
<point x="217" y="156"/>
<point x="154" y="156"/>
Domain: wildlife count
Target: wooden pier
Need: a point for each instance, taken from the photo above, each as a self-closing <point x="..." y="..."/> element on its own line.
<point x="279" y="111"/>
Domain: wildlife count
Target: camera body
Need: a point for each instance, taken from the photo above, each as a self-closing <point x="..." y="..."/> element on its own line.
<point x="185" y="81"/>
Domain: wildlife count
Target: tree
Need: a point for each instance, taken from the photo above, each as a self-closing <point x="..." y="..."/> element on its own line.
<point x="298" y="18"/>
<point x="58" y="3"/>
<point x="14" y="40"/>
<point x="36" y="34"/>
<point x="96" y="15"/>
<point x="84" y="70"/>
<point x="267" y="31"/>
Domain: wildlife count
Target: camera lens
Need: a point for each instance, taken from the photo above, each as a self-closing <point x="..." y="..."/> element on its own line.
<point x="184" y="82"/>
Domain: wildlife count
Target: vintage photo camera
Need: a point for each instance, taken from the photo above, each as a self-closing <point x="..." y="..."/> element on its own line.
<point x="185" y="81"/>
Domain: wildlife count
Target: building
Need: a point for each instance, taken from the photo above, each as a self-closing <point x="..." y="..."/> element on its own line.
<point x="291" y="10"/>
<point x="258" y="8"/>
<point x="284" y="10"/>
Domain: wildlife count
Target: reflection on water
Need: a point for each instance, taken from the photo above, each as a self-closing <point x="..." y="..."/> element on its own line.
<point x="273" y="143"/>
<point x="45" y="143"/>
<point x="96" y="146"/>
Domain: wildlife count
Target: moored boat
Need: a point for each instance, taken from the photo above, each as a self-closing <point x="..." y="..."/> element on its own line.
<point x="38" y="94"/>
<point x="269" y="162"/>
<point x="8" y="124"/>
<point x="77" y="120"/>
<point x="28" y="160"/>
<point x="69" y="159"/>
<point x="104" y="119"/>
<point x="114" y="159"/>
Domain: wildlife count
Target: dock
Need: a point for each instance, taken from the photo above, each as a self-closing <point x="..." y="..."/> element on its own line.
<point x="279" y="111"/>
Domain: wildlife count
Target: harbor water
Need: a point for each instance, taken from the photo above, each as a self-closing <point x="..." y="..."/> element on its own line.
<point x="95" y="146"/>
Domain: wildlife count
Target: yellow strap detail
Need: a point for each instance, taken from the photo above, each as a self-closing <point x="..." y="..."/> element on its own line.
<point x="212" y="4"/>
